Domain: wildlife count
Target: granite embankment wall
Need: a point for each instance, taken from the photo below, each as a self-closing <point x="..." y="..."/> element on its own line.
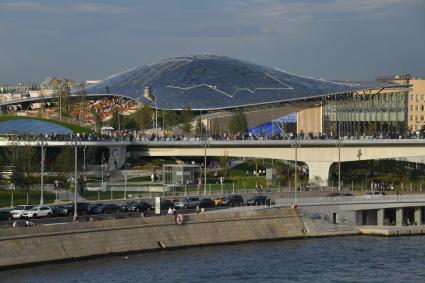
<point x="75" y="240"/>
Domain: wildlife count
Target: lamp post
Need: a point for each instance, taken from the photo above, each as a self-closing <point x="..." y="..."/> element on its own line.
<point x="42" y="144"/>
<point x="205" y="167"/>
<point x="102" y="166"/>
<point x="339" y="163"/>
<point x="84" y="159"/>
<point x="76" y="144"/>
<point x="296" y="145"/>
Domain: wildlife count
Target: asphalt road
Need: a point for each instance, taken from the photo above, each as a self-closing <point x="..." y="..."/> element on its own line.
<point x="86" y="217"/>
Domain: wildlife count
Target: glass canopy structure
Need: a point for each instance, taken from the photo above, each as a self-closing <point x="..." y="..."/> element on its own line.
<point x="211" y="82"/>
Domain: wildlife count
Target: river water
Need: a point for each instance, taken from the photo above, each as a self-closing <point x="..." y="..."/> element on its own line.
<point x="338" y="259"/>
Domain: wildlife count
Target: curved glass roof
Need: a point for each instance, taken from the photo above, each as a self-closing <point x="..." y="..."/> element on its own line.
<point x="206" y="82"/>
<point x="31" y="126"/>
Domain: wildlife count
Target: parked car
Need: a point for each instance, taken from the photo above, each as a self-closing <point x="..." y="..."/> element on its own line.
<point x="137" y="206"/>
<point x="232" y="200"/>
<point x="128" y="206"/>
<point x="107" y="208"/>
<point x="92" y="207"/>
<point x="258" y="200"/>
<point x="38" y="211"/>
<point x="82" y="208"/>
<point x="17" y="212"/>
<point x="188" y="203"/>
<point x="371" y="195"/>
<point x="206" y="203"/>
<point x="59" y="210"/>
<point x="219" y="200"/>
<point x="339" y="194"/>
<point x="5" y="215"/>
<point x="166" y="204"/>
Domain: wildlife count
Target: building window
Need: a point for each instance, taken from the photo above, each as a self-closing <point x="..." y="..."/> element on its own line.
<point x="422" y="118"/>
<point x="411" y="97"/>
<point x="422" y="97"/>
<point x="417" y="98"/>
<point x="416" y="118"/>
<point x="411" y="117"/>
<point x="417" y="107"/>
<point x="422" y="108"/>
<point x="411" y="107"/>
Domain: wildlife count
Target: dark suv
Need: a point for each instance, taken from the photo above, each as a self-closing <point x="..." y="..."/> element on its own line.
<point x="233" y="200"/>
<point x="258" y="200"/>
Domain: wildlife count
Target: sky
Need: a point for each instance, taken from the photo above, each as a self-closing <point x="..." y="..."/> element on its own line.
<point x="330" y="39"/>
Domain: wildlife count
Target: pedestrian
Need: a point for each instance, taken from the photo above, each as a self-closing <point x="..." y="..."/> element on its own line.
<point x="170" y="211"/>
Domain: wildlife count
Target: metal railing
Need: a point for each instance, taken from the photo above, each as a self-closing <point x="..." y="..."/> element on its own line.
<point x="366" y="199"/>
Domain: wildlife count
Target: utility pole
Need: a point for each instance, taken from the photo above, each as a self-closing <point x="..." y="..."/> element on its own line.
<point x="205" y="167"/>
<point x="42" y="143"/>
<point x="75" y="180"/>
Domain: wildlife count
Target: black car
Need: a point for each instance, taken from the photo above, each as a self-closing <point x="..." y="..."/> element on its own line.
<point x="136" y="206"/>
<point x="128" y="206"/>
<point x="82" y="208"/>
<point x="206" y="203"/>
<point x="233" y="200"/>
<point x="258" y="200"/>
<point x="5" y="215"/>
<point x="92" y="207"/>
<point x="107" y="208"/>
<point x="166" y="204"/>
<point x="60" y="210"/>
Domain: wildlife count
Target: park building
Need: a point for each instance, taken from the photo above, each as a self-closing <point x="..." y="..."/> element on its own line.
<point x="214" y="86"/>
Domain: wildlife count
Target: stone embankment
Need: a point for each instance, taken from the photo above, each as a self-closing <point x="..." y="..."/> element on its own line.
<point x="48" y="243"/>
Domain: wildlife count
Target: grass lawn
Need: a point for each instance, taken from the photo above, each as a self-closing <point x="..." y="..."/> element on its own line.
<point x="20" y="197"/>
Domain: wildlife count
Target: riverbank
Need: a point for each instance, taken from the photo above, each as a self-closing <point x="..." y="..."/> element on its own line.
<point x="47" y="243"/>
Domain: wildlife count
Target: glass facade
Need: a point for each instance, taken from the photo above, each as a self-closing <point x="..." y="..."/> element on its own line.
<point x="357" y="114"/>
<point x="180" y="175"/>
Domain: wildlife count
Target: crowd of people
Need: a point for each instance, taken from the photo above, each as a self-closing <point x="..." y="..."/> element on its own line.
<point x="134" y="135"/>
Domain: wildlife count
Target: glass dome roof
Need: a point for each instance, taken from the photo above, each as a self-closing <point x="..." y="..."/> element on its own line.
<point x="206" y="82"/>
<point x="31" y="126"/>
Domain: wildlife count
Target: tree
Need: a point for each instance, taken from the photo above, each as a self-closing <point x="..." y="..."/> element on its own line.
<point x="186" y="117"/>
<point x="22" y="172"/>
<point x="224" y="163"/>
<point x="238" y="123"/>
<point x="170" y="119"/>
<point x="64" y="166"/>
<point x="200" y="128"/>
<point x="143" y="117"/>
<point x="215" y="128"/>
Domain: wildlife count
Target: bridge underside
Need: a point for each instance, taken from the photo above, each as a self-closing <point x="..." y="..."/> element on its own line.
<point x="318" y="159"/>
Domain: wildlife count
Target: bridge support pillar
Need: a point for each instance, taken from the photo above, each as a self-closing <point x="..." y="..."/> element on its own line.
<point x="380" y="217"/>
<point x="319" y="172"/>
<point x="418" y="215"/>
<point x="117" y="155"/>
<point x="399" y="216"/>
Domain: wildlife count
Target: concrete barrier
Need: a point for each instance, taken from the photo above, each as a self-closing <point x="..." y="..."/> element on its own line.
<point x="76" y="240"/>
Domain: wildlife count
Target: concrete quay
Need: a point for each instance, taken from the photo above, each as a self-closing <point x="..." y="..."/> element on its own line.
<point x="392" y="230"/>
<point x="48" y="243"/>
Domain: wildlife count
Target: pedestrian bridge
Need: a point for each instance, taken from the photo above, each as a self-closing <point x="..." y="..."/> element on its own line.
<point x="317" y="154"/>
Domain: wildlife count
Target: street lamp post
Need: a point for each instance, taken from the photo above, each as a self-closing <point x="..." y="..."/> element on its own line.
<point x="42" y="144"/>
<point x="76" y="144"/>
<point x="339" y="164"/>
<point x="84" y="159"/>
<point x="296" y="145"/>
<point x="205" y="167"/>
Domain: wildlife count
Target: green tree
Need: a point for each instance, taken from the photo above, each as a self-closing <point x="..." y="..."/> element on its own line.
<point x="143" y="117"/>
<point x="186" y="117"/>
<point x="64" y="167"/>
<point x="238" y="123"/>
<point x="23" y="163"/>
<point x="170" y="119"/>
<point x="215" y="128"/>
<point x="200" y="129"/>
